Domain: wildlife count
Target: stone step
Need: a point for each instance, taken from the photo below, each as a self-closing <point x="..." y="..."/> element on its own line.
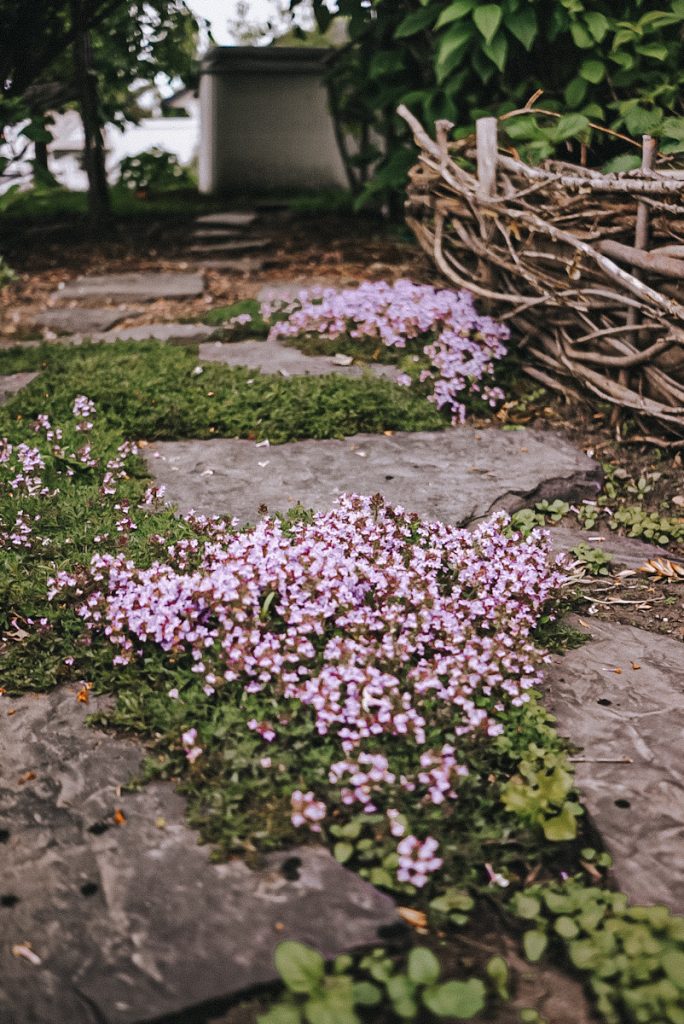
<point x="228" y="219"/>
<point x="11" y="384"/>
<point x="274" y="357"/>
<point x="456" y="475"/>
<point x="132" y="922"/>
<point x="619" y="697"/>
<point x="237" y="246"/>
<point x="136" y="286"/>
<point x="217" y="233"/>
<point x="78" y="320"/>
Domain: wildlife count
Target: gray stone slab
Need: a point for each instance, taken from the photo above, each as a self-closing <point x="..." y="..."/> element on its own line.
<point x="169" y="332"/>
<point x="239" y="265"/>
<point x="136" y="286"/>
<point x="628" y="552"/>
<point x="273" y="357"/>
<point x="228" y="219"/>
<point x="454" y="475"/>
<point x="132" y="922"/>
<point x="216" y="233"/>
<point x="234" y="247"/>
<point x="13" y="383"/>
<point x="78" y="320"/>
<point x="630" y="724"/>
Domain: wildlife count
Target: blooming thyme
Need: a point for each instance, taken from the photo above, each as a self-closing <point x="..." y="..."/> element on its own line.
<point x="379" y="625"/>
<point x="461" y="346"/>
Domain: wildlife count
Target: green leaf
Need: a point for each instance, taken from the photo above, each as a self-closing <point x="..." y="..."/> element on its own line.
<point x="487" y="17"/>
<point x="454" y="11"/>
<point x="400" y="988"/>
<point x="673" y="128"/>
<point x="326" y="1011"/>
<point x="575" y="92"/>
<point x="655" y="50"/>
<point x="624" y="162"/>
<point x="415" y="22"/>
<point x="592" y="71"/>
<point x="342" y="852"/>
<point x="565" y="927"/>
<point x="640" y="121"/>
<point x="497" y="972"/>
<point x="301" y="968"/>
<point x="562" y="827"/>
<point x="281" y="1015"/>
<point x="459" y="999"/>
<point x="366" y="993"/>
<point x="385" y="62"/>
<point x="566" y="127"/>
<point x="672" y="963"/>
<point x="423" y="966"/>
<point x="523" y="25"/>
<point x="598" y="25"/>
<point x="534" y="944"/>
<point x="450" y="43"/>
<point x="527" y="907"/>
<point x="580" y="36"/>
<point x="497" y="50"/>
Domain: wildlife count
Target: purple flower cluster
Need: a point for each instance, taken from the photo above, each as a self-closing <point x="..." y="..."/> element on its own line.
<point x="460" y="345"/>
<point x="384" y="626"/>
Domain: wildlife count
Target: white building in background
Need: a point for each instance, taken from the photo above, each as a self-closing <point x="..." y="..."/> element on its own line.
<point x="177" y="135"/>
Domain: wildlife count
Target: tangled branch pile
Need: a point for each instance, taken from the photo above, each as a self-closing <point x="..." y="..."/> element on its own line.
<point x="561" y="251"/>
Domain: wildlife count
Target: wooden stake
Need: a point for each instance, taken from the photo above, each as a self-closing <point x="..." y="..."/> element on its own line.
<point x="486" y="131"/>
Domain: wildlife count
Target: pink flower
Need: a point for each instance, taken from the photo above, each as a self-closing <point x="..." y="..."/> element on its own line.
<point x="306" y="810"/>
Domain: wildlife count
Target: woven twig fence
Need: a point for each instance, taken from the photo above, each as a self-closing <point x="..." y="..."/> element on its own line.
<point x="588" y="267"/>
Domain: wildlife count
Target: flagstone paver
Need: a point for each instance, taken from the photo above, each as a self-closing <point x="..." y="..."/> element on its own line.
<point x="131" y="921"/>
<point x="79" y="320"/>
<point x="228" y="219"/>
<point x="274" y="357"/>
<point x="453" y="475"/>
<point x="13" y="383"/>
<point x="168" y="332"/>
<point x="230" y="246"/>
<point x="629" y="552"/>
<point x="286" y="291"/>
<point x="621" y="697"/>
<point x="136" y="286"/>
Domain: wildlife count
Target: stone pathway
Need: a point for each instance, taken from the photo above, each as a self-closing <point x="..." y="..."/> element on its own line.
<point x="621" y="696"/>
<point x="274" y="357"/>
<point x="135" y="286"/>
<point x="454" y="475"/>
<point x="131" y="921"/>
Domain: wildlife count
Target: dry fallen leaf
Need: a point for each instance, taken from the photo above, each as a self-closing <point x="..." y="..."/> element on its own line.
<point x="663" y="568"/>
<point x="26" y="777"/>
<point x="83" y="695"/>
<point x="416" y="918"/>
<point x="119" y="816"/>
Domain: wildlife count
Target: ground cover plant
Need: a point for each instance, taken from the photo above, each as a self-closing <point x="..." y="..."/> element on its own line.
<point x="444" y="346"/>
<point x="392" y="715"/>
<point x="150" y="390"/>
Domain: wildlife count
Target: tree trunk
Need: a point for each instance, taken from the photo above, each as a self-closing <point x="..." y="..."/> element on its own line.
<point x="99" y="206"/>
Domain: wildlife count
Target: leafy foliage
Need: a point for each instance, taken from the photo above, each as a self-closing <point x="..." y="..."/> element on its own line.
<point x="153" y="171"/>
<point x="620" y="64"/>
<point x="631" y="956"/>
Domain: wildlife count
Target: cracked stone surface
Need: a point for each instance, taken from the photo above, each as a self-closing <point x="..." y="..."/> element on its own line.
<point x="78" y="321"/>
<point x="132" y="922"/>
<point x="630" y="724"/>
<point x="11" y="383"/>
<point x="273" y="357"/>
<point x="168" y="332"/>
<point x="137" y="286"/>
<point x="626" y="551"/>
<point x="453" y="475"/>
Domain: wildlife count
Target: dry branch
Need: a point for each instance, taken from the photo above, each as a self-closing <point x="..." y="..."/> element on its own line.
<point x="554" y="249"/>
